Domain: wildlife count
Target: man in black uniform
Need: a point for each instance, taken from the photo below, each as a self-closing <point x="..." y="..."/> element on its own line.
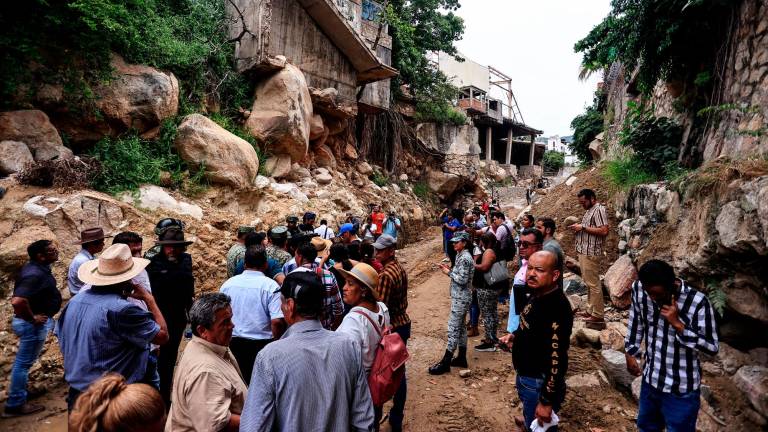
<point x="308" y="222"/>
<point x="173" y="286"/>
<point x="292" y="222"/>
<point x="540" y="348"/>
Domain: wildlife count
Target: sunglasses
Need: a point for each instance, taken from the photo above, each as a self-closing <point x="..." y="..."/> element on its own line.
<point x="525" y="244"/>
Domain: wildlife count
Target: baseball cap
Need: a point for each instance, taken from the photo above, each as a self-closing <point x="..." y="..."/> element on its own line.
<point x="245" y="229"/>
<point x="347" y="227"/>
<point x="384" y="241"/>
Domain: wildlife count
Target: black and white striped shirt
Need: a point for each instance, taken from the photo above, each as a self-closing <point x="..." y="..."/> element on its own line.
<point x="671" y="358"/>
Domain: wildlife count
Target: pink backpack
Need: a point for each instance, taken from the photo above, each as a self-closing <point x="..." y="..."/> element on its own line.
<point x="388" y="367"/>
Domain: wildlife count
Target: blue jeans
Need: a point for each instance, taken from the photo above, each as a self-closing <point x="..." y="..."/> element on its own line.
<point x="31" y="340"/>
<point x="658" y="409"/>
<point x="528" y="390"/>
<point x="398" y="402"/>
<point x="474" y="310"/>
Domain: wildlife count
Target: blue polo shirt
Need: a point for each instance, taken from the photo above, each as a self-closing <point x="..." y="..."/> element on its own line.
<point x="453" y="223"/>
<point x="102" y="332"/>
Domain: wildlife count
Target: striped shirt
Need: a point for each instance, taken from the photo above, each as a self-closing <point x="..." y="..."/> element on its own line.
<point x="393" y="287"/>
<point x="590" y="244"/>
<point x="333" y="308"/>
<point x="671" y="358"/>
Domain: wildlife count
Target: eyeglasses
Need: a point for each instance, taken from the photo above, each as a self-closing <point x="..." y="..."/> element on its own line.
<point x="525" y="244"/>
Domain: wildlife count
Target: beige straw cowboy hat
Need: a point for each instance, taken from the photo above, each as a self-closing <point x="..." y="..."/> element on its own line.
<point x="319" y="244"/>
<point x="365" y="275"/>
<point x="115" y="265"/>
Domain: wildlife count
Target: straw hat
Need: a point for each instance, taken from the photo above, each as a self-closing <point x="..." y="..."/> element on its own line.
<point x="366" y="275"/>
<point x="319" y="244"/>
<point x="115" y="265"/>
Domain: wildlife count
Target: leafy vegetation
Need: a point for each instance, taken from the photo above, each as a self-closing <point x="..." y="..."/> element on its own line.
<point x="666" y="39"/>
<point x="421" y="190"/>
<point x="419" y="27"/>
<point x="655" y="140"/>
<point x="379" y="179"/>
<point x="70" y="42"/>
<point x="130" y="161"/>
<point x="586" y="127"/>
<point x="626" y="172"/>
<point x="553" y="160"/>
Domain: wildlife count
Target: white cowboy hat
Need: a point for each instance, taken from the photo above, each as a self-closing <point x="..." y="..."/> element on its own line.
<point x="115" y="265"/>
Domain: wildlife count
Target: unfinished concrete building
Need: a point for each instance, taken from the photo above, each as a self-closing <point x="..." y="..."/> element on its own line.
<point x="502" y="134"/>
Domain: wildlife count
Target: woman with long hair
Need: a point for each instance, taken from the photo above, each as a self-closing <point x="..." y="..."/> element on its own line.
<point x="461" y="298"/>
<point x="111" y="405"/>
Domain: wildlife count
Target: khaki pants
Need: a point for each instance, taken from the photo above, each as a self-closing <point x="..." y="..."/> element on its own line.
<point x="590" y="274"/>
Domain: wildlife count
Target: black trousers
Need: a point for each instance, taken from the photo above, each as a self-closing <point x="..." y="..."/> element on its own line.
<point x="166" y="361"/>
<point x="245" y="351"/>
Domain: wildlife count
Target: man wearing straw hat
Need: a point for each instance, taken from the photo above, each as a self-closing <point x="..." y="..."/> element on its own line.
<point x="101" y="331"/>
<point x="92" y="242"/>
<point x="173" y="285"/>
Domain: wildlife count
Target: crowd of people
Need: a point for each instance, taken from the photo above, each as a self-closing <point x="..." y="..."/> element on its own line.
<point x="301" y="304"/>
<point x="293" y="338"/>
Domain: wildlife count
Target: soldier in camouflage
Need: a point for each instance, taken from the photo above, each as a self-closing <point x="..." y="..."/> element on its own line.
<point x="461" y="299"/>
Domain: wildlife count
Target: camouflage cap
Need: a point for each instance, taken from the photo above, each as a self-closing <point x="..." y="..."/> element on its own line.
<point x="245" y="229"/>
<point x="280" y="231"/>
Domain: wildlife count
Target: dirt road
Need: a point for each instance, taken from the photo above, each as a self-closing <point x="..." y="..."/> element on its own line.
<point x="486" y="401"/>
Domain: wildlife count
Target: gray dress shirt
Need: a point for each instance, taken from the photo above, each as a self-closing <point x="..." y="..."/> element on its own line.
<point x="311" y="379"/>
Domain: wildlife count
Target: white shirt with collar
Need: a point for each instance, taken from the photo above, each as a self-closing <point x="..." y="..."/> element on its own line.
<point x="73" y="282"/>
<point x="255" y="303"/>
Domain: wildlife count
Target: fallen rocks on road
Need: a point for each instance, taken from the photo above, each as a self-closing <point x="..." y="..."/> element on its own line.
<point x="465" y="373"/>
<point x="615" y="365"/>
<point x="618" y="281"/>
<point x="753" y="381"/>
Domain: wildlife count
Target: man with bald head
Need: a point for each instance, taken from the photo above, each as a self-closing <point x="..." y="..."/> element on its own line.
<point x="540" y="344"/>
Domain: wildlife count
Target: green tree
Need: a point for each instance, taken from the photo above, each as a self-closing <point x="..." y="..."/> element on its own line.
<point x="553" y="160"/>
<point x="419" y="27"/>
<point x="667" y="39"/>
<point x="586" y="126"/>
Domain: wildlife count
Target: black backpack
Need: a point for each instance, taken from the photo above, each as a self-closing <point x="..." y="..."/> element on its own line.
<point x="507" y="249"/>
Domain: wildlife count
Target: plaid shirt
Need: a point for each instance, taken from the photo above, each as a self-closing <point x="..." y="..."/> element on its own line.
<point x="671" y="358"/>
<point x="590" y="244"/>
<point x="332" y="304"/>
<point x="393" y="287"/>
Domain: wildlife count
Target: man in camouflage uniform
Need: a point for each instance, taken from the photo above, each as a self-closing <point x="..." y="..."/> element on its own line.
<point x="237" y="251"/>
<point x="461" y="299"/>
<point x="278" y="239"/>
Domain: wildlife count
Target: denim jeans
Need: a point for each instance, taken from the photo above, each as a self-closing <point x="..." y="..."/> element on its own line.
<point x="152" y="377"/>
<point x="658" y="410"/>
<point x="528" y="390"/>
<point x="31" y="340"/>
<point x="398" y="402"/>
<point x="474" y="310"/>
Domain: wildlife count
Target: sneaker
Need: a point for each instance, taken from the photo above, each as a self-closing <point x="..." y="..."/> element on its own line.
<point x="21" y="410"/>
<point x="486" y="347"/>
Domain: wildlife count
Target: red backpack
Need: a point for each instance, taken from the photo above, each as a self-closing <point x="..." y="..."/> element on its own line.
<point x="388" y="367"/>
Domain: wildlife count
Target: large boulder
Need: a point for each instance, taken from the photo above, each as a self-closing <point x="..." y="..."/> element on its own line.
<point x="51" y="151"/>
<point x="13" y="252"/>
<point x="281" y="113"/>
<point x="14" y="155"/>
<point x="618" y="281"/>
<point x="137" y="97"/>
<point x="228" y="159"/>
<point x="31" y="127"/>
<point x="442" y="183"/>
<point x="753" y="381"/>
<point x="615" y="365"/>
<point x="316" y="127"/>
<point x="278" y="166"/>
<point x="324" y="156"/>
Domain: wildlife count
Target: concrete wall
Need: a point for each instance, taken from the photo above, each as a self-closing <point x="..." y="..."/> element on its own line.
<point x="449" y="139"/>
<point x="283" y="27"/>
<point x="466" y="73"/>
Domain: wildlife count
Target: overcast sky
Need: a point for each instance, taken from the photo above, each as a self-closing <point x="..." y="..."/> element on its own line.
<point x="532" y="42"/>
